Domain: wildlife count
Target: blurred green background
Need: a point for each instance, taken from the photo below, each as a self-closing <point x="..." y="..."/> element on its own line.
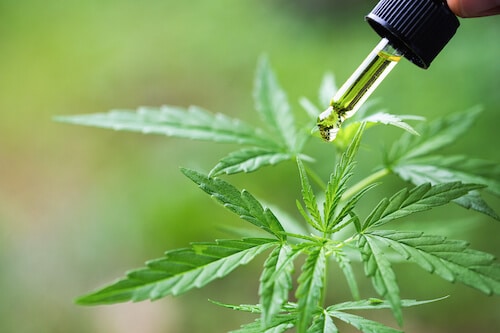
<point x="79" y="206"/>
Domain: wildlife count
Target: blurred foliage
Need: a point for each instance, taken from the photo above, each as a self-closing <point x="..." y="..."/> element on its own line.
<point x="72" y="198"/>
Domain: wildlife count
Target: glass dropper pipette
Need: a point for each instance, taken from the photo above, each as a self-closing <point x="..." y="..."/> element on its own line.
<point x="358" y="88"/>
<point x="415" y="29"/>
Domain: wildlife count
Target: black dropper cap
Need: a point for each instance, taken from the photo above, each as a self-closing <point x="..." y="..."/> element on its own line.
<point x="418" y="28"/>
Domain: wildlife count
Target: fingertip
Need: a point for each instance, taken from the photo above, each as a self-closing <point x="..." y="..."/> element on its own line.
<point x="456" y="7"/>
<point x="474" y="8"/>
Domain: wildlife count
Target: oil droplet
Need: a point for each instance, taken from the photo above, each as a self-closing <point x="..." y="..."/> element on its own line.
<point x="329" y="122"/>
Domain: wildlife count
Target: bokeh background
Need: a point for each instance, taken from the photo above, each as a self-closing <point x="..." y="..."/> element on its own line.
<point x="80" y="206"/>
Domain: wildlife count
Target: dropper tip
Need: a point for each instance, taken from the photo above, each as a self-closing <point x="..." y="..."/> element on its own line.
<point x="329" y="123"/>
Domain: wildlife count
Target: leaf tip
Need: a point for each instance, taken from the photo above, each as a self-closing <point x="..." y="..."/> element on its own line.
<point x="59" y="119"/>
<point x="85" y="300"/>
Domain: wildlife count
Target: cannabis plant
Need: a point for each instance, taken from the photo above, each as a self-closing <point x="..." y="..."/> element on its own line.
<point x="333" y="231"/>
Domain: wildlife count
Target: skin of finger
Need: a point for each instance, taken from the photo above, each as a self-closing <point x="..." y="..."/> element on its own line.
<point x="474" y="8"/>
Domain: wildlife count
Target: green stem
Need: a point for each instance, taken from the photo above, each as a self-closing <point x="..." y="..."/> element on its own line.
<point x="365" y="182"/>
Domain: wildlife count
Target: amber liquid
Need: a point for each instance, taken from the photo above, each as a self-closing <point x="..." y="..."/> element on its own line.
<point x="357" y="89"/>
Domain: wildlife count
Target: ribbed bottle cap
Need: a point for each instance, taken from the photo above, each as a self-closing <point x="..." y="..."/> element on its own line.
<point x="418" y="28"/>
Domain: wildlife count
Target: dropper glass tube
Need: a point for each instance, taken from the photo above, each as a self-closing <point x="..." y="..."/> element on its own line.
<point x="358" y="88"/>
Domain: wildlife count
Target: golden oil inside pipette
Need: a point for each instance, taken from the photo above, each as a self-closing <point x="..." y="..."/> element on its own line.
<point x="357" y="89"/>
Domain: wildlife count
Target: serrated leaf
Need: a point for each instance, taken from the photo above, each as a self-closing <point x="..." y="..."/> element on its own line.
<point x="375" y="303"/>
<point x="275" y="282"/>
<point x="346" y="134"/>
<point x="348" y="207"/>
<point x="433" y="136"/>
<point x="241" y="203"/>
<point x="191" y="123"/>
<point x="449" y="259"/>
<point x="420" y="198"/>
<point x="180" y="271"/>
<point x="363" y="324"/>
<point x="311" y="109"/>
<point x="441" y="169"/>
<point x="394" y="120"/>
<point x="350" y="127"/>
<point x="315" y="219"/>
<point x="251" y="308"/>
<point x="279" y="324"/>
<point x="256" y="308"/>
<point x="310" y="289"/>
<point x="466" y="169"/>
<point x="356" y="222"/>
<point x="323" y="324"/>
<point x="248" y="160"/>
<point x="327" y="90"/>
<point x="272" y="104"/>
<point x="378" y="267"/>
<point x="337" y="185"/>
<point x="345" y="265"/>
<point x="306" y="216"/>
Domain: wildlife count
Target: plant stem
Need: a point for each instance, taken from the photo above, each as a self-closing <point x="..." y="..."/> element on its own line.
<point x="365" y="182"/>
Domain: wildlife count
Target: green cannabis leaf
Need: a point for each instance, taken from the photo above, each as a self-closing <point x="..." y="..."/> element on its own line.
<point x="314" y="219"/>
<point x="278" y="324"/>
<point x="345" y="265"/>
<point x="248" y="160"/>
<point x="394" y="120"/>
<point x="433" y="136"/>
<point x="323" y="323"/>
<point x="451" y="168"/>
<point x="333" y="212"/>
<point x="349" y="128"/>
<point x="338" y="234"/>
<point x="337" y="185"/>
<point x="375" y="303"/>
<point x="310" y="289"/>
<point x="437" y="169"/>
<point x="450" y="259"/>
<point x="280" y="142"/>
<point x="276" y="282"/>
<point x="420" y="198"/>
<point x="272" y="105"/>
<point x="409" y="158"/>
<point x="241" y="203"/>
<point x="327" y="89"/>
<point x="180" y="271"/>
<point x="363" y="324"/>
<point x="378" y="267"/>
<point x="191" y="123"/>
<point x="281" y="322"/>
